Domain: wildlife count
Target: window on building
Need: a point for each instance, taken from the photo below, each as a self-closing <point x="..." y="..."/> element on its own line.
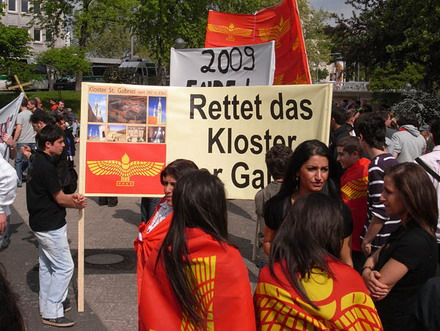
<point x="36" y="8"/>
<point x="49" y="35"/>
<point x="37" y="34"/>
<point x="12" y="6"/>
<point x="24" y="6"/>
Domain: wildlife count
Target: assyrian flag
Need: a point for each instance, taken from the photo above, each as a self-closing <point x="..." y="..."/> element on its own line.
<point x="280" y="23"/>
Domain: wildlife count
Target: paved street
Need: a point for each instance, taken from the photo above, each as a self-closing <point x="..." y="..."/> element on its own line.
<point x="110" y="289"/>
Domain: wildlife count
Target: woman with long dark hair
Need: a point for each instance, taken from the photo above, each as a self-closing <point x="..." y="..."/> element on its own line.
<point x="197" y="280"/>
<point x="153" y="232"/>
<point x="306" y="286"/>
<point x="311" y="169"/>
<point x="396" y="272"/>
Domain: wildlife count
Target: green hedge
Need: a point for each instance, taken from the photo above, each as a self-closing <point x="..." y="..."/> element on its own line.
<point x="71" y="99"/>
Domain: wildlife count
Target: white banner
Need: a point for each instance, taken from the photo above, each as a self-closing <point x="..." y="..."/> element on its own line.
<point x="8" y="116"/>
<point x="251" y="65"/>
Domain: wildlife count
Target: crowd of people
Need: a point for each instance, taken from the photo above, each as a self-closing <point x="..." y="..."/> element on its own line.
<point x="349" y="233"/>
<point x="43" y="145"/>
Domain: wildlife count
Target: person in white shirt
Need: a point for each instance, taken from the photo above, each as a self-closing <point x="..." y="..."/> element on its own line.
<point x="8" y="186"/>
<point x="431" y="163"/>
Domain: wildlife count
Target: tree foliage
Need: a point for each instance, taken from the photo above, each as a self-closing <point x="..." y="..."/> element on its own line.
<point x="13" y="50"/>
<point x="13" y="43"/>
<point x="398" y="34"/>
<point x="63" y="61"/>
<point x="86" y="18"/>
<point x="157" y="23"/>
<point x="318" y="44"/>
<point x="425" y="105"/>
<point x="112" y="42"/>
<point x="394" y="78"/>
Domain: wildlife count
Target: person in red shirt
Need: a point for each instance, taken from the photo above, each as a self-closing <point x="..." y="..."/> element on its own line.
<point x="354" y="191"/>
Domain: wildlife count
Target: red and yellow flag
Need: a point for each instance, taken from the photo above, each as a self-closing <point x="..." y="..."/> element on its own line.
<point x="354" y="192"/>
<point x="222" y="283"/>
<point x="280" y="23"/>
<point x="343" y="301"/>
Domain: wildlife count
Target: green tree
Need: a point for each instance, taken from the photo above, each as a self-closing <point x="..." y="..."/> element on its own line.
<point x="13" y="50"/>
<point x="392" y="78"/>
<point x="393" y="34"/>
<point x="167" y="20"/>
<point x="426" y="106"/>
<point x="62" y="62"/>
<point x="318" y="44"/>
<point x="113" y="42"/>
<point x="87" y="18"/>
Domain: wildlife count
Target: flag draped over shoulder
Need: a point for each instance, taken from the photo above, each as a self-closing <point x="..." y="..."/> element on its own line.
<point x="148" y="241"/>
<point x="354" y="192"/>
<point x="343" y="301"/>
<point x="280" y="23"/>
<point x="222" y="283"/>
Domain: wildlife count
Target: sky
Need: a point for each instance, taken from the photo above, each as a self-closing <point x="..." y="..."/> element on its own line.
<point x="337" y="6"/>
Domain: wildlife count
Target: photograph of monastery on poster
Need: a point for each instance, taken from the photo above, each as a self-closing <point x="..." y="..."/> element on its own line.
<point x="97" y="108"/>
<point x="136" y="134"/>
<point x="127" y="109"/>
<point x="157" y="110"/>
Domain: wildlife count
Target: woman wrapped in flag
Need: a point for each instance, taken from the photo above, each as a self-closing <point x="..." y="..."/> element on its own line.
<point x="196" y="280"/>
<point x="306" y="286"/>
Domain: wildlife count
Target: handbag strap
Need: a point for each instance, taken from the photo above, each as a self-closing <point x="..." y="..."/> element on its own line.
<point x="428" y="169"/>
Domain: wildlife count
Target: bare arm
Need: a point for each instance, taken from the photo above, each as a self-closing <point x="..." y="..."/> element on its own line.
<point x="371" y="277"/>
<point x="2" y="223"/>
<point x="17" y="133"/>
<point x="373" y="229"/>
<point x="75" y="200"/>
<point x="346" y="251"/>
<point x="7" y="138"/>
<point x="380" y="283"/>
<point x="269" y="234"/>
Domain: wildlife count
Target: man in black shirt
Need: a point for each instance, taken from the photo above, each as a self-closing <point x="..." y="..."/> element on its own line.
<point x="47" y="205"/>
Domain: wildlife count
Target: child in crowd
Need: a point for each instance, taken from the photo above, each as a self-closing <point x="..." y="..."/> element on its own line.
<point x="354" y="191"/>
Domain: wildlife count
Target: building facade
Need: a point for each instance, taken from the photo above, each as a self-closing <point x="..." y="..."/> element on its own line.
<point x="19" y="13"/>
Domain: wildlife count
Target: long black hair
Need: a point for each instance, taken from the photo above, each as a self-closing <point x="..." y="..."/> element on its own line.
<point x="310" y="233"/>
<point x="276" y="207"/>
<point x="199" y="201"/>
<point x="177" y="168"/>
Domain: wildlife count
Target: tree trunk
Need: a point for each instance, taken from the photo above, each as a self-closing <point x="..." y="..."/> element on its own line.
<point x="79" y="77"/>
<point x="50" y="78"/>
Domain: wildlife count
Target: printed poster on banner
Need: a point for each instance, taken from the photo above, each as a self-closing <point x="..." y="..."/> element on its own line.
<point x="248" y="65"/>
<point x="123" y="139"/>
<point x="131" y="132"/>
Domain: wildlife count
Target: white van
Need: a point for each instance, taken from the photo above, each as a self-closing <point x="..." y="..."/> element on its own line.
<point x="146" y="73"/>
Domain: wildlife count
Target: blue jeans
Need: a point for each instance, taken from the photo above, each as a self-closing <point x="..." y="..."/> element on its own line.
<point x="21" y="163"/>
<point x="56" y="271"/>
<point x="4" y="237"/>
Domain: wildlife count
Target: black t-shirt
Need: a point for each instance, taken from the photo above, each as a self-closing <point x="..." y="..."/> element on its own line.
<point x="276" y="210"/>
<point x="45" y="214"/>
<point x="417" y="250"/>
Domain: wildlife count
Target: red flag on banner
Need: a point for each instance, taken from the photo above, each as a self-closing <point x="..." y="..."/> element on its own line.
<point x="280" y="23"/>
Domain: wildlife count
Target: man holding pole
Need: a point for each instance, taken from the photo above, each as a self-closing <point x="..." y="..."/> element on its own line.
<point x="47" y="205"/>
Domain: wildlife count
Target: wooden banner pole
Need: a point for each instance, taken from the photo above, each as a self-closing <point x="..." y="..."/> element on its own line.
<point x="81" y="261"/>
